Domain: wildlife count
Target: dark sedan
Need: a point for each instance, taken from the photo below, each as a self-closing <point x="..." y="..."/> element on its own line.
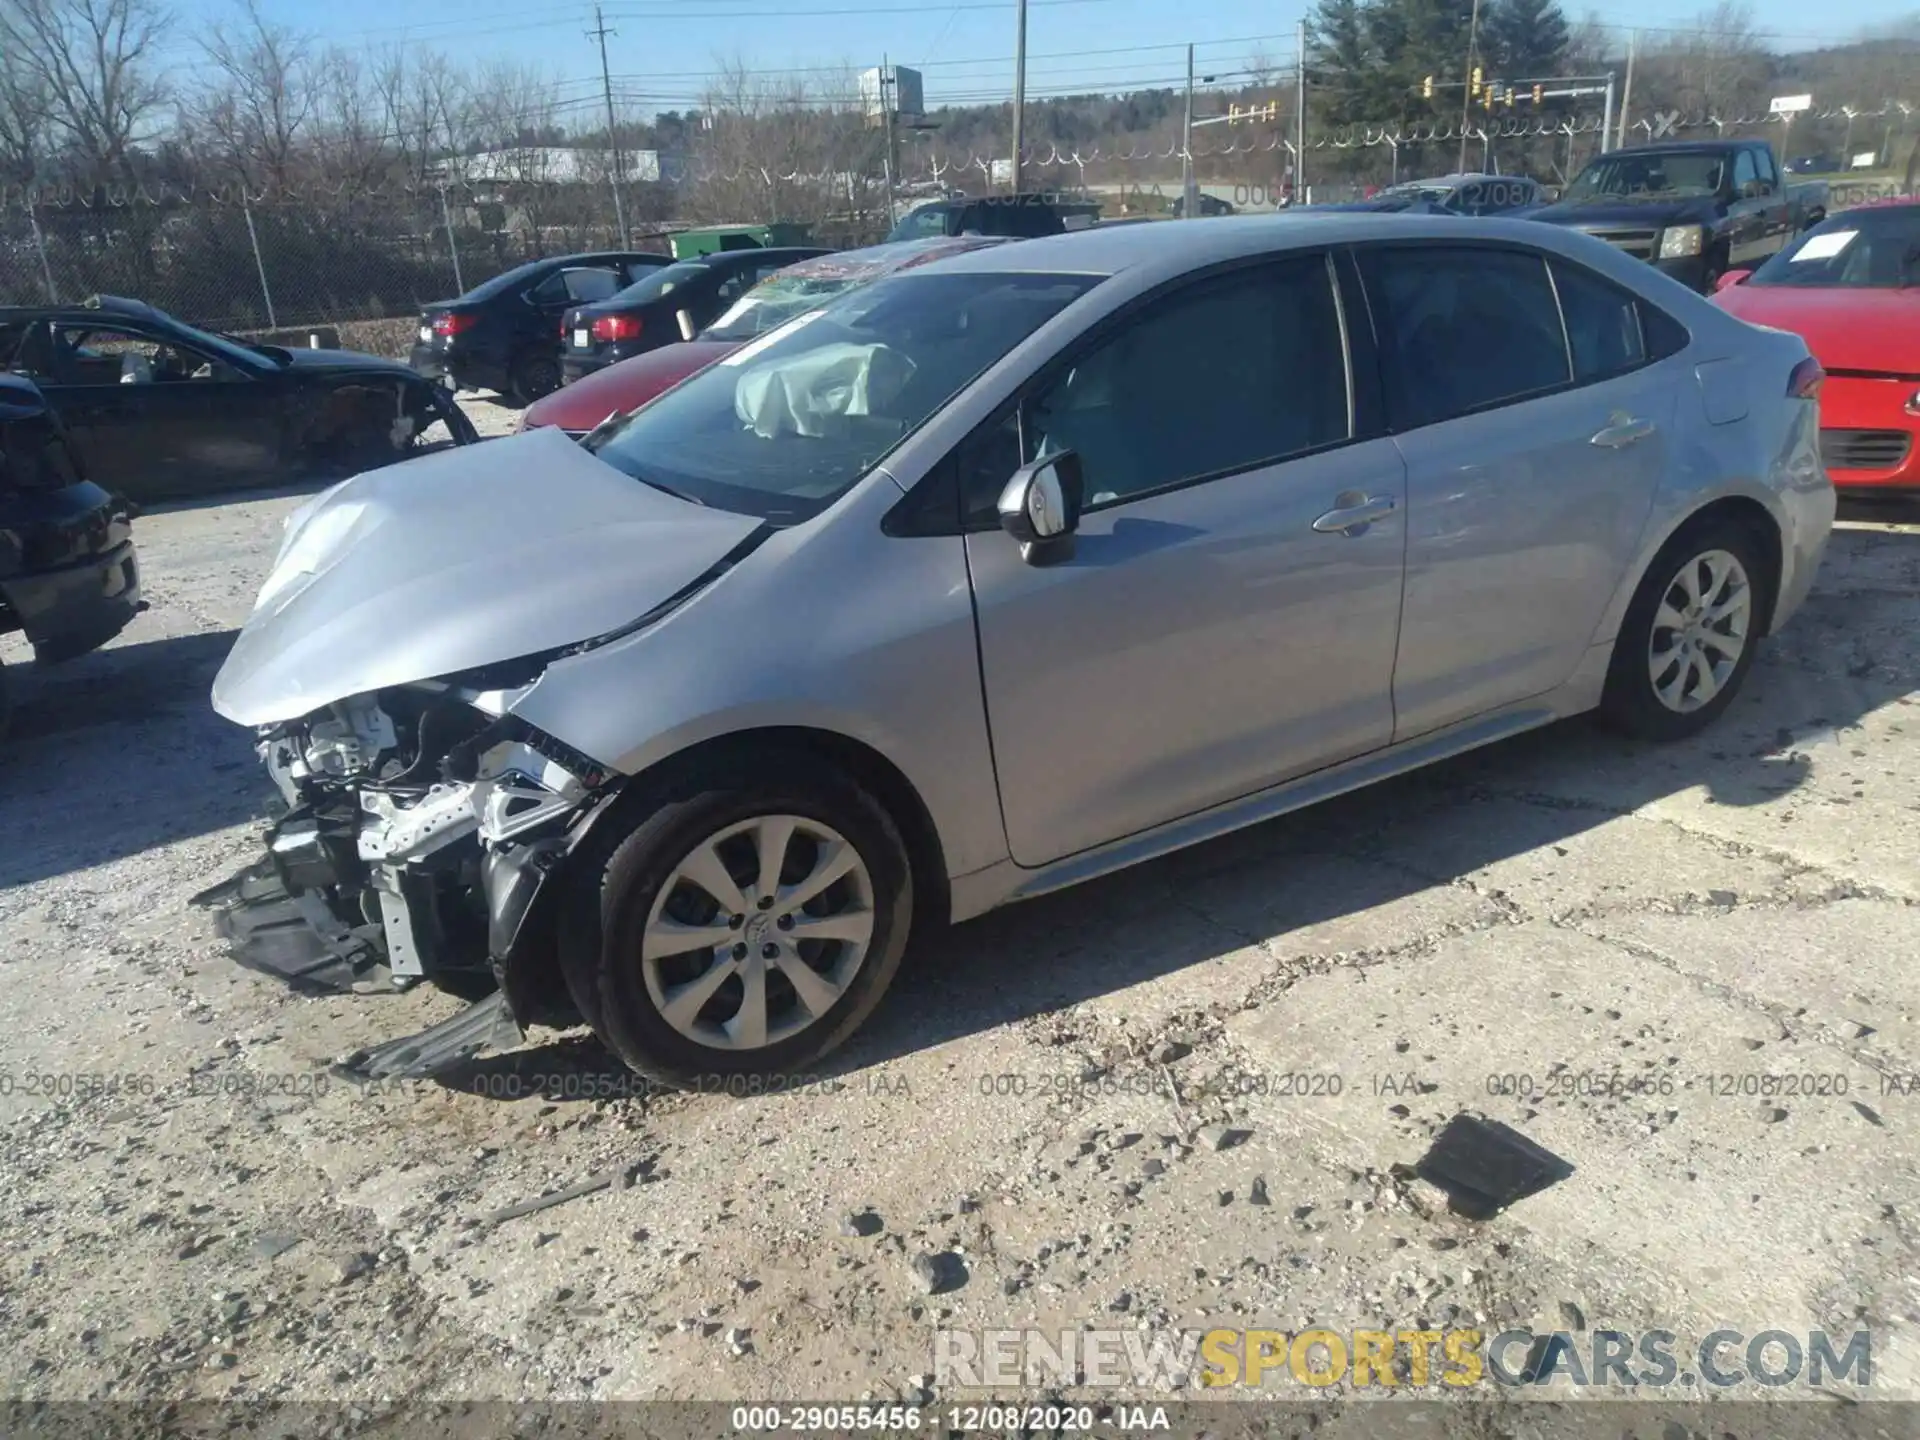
<point x="666" y="307"/>
<point x="500" y="335"/>
<point x="161" y="410"/>
<point x="69" y="578"/>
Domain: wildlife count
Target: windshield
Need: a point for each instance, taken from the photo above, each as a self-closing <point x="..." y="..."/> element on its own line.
<point x="927" y="220"/>
<point x="659" y="284"/>
<point x="785" y="425"/>
<point x="1638" y="177"/>
<point x="1858" y="250"/>
<point x="776" y="300"/>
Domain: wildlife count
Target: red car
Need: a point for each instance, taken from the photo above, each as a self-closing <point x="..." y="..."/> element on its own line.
<point x="1850" y="287"/>
<point x="598" y="397"/>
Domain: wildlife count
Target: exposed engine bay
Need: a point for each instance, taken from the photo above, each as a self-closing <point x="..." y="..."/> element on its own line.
<point x="399" y="857"/>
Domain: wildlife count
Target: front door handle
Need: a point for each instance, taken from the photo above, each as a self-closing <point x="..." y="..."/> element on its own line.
<point x="1354" y="513"/>
<point x="1622" y="430"/>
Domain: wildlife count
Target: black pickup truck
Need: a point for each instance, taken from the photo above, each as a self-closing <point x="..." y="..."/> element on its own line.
<point x="1694" y="208"/>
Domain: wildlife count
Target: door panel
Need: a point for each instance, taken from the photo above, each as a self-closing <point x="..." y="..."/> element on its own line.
<point x="1201" y="645"/>
<point x="1518" y="529"/>
<point x="181" y="424"/>
<point x="1204" y="641"/>
<point x="1523" y="502"/>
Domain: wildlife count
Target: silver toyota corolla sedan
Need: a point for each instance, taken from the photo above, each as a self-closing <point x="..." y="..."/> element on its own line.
<point x="989" y="578"/>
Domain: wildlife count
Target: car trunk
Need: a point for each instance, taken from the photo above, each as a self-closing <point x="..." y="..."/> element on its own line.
<point x="442" y="320"/>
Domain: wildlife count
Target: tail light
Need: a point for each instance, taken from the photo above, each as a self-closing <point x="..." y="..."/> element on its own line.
<point x="617" y="327"/>
<point x="452" y="323"/>
<point x="1806" y="380"/>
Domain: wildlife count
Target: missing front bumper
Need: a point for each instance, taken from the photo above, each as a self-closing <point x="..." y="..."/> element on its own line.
<point x="294" y="937"/>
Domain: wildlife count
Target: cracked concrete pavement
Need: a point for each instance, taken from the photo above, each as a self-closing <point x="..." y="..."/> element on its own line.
<point x="1039" y="1100"/>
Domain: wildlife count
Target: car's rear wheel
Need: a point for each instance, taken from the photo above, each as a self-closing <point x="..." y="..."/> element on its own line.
<point x="1690" y="633"/>
<point x="744" y="928"/>
<point x="534" y="375"/>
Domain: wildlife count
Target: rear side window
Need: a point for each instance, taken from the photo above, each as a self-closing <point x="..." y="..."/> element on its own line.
<point x="1603" y="324"/>
<point x="1462" y="328"/>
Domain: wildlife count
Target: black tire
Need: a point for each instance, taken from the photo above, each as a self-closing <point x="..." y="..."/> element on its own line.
<point x="1630" y="704"/>
<point x="533" y="376"/>
<point x="616" y="880"/>
<point x="1716" y="266"/>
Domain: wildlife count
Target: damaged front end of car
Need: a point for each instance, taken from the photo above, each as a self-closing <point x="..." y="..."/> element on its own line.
<point x="400" y="807"/>
<point x="426" y="824"/>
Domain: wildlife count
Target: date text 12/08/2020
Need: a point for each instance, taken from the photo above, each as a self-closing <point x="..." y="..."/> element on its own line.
<point x="964" y="1419"/>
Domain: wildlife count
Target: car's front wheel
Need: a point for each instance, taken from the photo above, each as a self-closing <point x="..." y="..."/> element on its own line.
<point x="745" y="927"/>
<point x="1689" y="635"/>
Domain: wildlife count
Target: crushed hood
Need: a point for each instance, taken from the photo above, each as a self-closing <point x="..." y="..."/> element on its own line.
<point x="466" y="558"/>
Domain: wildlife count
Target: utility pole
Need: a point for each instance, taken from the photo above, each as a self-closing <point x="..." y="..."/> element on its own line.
<point x="1019" y="89"/>
<point x="1189" y="191"/>
<point x="1626" y="94"/>
<point x="886" y="106"/>
<point x="600" y="33"/>
<point x="1466" y="86"/>
<point x="1300" y="119"/>
<point x="1606" y="125"/>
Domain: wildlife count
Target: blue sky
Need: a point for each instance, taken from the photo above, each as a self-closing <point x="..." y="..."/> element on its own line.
<point x="664" y="48"/>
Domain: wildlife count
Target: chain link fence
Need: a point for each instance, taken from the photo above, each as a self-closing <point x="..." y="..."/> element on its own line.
<point x="363" y="261"/>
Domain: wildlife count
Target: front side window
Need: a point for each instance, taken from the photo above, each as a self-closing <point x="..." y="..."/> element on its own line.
<point x="1234" y="372"/>
<point x="784" y="425"/>
<point x="103" y="355"/>
<point x="1463" y="328"/>
<point x="1746" y="176"/>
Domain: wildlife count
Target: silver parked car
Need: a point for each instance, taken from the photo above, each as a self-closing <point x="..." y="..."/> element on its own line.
<point x="989" y="578"/>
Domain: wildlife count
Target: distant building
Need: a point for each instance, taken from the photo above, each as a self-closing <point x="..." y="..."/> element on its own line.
<point x="908" y="97"/>
<point x="556" y="164"/>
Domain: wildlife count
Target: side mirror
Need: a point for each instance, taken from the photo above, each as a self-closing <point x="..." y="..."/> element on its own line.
<point x="1730" y="279"/>
<point x="1040" y="508"/>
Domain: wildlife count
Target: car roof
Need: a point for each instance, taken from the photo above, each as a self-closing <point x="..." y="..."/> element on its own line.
<point x="757" y="252"/>
<point x="891" y="255"/>
<point x="94" y="305"/>
<point x="1178" y="245"/>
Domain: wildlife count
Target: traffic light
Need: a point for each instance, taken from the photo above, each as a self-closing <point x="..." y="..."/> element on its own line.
<point x="1426" y="88"/>
<point x="1506" y="93"/>
<point x="1476" y="82"/>
<point x="1539" y="94"/>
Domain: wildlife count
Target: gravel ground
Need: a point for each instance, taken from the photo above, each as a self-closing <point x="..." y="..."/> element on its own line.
<point x="1081" y="1106"/>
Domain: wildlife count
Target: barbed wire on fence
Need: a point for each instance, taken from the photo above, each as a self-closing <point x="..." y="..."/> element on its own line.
<point x="261" y="257"/>
<point x="241" y="195"/>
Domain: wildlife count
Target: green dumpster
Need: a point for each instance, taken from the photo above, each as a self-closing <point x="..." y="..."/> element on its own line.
<point x="707" y="241"/>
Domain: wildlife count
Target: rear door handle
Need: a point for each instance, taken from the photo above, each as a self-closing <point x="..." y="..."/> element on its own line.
<point x="1623" y="430"/>
<point x="1355" y="512"/>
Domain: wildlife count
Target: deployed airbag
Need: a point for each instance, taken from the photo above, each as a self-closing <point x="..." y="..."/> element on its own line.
<point x="812" y="393"/>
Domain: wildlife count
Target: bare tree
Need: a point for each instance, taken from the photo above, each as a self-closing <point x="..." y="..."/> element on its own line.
<point x="263" y="90"/>
<point x="95" y="62"/>
<point x="26" y="138"/>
